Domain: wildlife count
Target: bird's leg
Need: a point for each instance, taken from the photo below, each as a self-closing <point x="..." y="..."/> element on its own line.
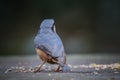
<point x="60" y="63"/>
<point x="63" y="65"/>
<point x="38" y="69"/>
<point x="58" y="68"/>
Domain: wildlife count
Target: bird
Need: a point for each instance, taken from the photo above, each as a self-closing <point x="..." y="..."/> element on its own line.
<point x="49" y="46"/>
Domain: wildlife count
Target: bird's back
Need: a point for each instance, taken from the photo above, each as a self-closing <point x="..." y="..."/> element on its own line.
<point x="49" y="42"/>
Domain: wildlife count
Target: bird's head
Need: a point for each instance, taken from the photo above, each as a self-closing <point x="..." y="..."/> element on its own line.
<point x="48" y="24"/>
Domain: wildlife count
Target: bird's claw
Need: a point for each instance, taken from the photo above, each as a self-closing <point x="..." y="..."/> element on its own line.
<point x="58" y="70"/>
<point x="36" y="70"/>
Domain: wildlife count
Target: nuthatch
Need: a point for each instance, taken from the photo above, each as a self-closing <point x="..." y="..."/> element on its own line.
<point x="49" y="46"/>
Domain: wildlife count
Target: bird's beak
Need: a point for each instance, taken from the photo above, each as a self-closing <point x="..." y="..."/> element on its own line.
<point x="54" y="29"/>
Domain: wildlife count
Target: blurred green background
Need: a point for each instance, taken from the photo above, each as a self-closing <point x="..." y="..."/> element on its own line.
<point x="85" y="26"/>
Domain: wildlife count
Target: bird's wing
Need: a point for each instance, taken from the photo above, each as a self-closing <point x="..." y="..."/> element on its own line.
<point x="51" y="44"/>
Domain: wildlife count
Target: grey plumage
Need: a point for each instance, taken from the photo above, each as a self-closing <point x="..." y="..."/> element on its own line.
<point x="48" y="40"/>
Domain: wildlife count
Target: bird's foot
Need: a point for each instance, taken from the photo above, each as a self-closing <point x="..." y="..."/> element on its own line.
<point x="35" y="70"/>
<point x="58" y="70"/>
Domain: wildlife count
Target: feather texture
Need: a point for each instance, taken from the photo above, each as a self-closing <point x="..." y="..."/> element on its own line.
<point x="48" y="40"/>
